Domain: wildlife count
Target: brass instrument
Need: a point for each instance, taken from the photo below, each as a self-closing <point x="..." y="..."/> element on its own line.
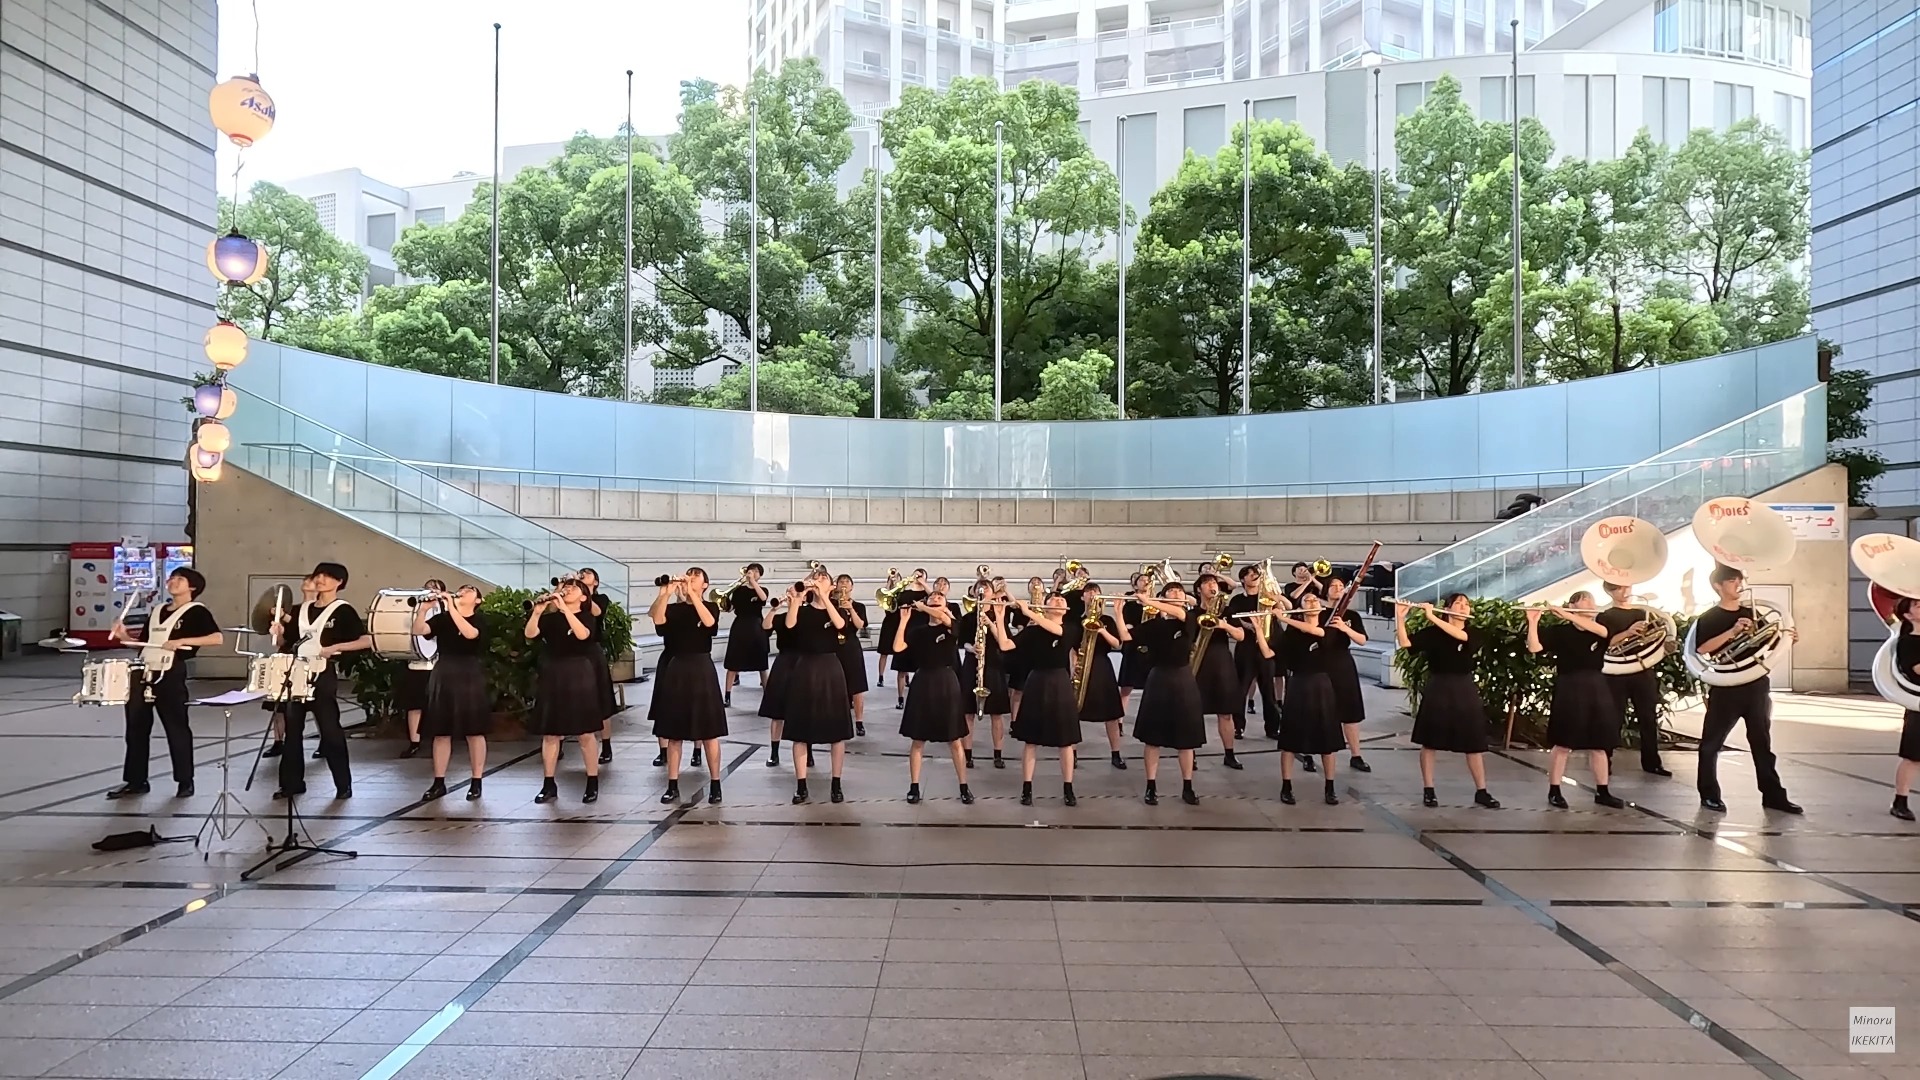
<point x="889" y="597"/>
<point x="1090" y="628"/>
<point x="1077" y="576"/>
<point x="1321" y="569"/>
<point x="1209" y="620"/>
<point x="1888" y="560"/>
<point x="814" y="566"/>
<point x="1036" y="594"/>
<point x="724" y="600"/>
<point x="1751" y="537"/>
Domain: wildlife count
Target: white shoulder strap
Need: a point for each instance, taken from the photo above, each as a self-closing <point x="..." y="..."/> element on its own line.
<point x="158" y="630"/>
<point x="326" y="613"/>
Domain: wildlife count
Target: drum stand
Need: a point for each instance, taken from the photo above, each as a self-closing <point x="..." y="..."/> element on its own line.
<point x="228" y="816"/>
<point x="292" y="844"/>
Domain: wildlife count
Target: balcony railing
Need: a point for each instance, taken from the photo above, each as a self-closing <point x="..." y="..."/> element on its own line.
<point x="1187" y="76"/>
<point x="1399" y="52"/>
<point x="952" y="36"/>
<point x="1269" y="44"/>
<point x="913" y="26"/>
<point x="913" y="77"/>
<point x="872" y="71"/>
<point x="1328" y="7"/>
<point x="862" y="15"/>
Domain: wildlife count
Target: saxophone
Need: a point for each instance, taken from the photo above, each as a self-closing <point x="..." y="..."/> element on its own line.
<point x="1209" y="619"/>
<point x="1089" y="635"/>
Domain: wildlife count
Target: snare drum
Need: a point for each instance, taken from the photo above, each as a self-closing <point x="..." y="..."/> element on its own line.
<point x="281" y="676"/>
<point x="390" y="624"/>
<point x="106" y="681"/>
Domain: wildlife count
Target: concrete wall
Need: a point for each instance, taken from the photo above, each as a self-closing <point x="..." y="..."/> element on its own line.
<point x="106" y="208"/>
<point x="254" y="534"/>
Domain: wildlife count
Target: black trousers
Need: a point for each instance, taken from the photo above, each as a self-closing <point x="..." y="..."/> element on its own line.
<point x="1642" y="693"/>
<point x="1727" y="706"/>
<point x="170" y="701"/>
<point x="1259" y="671"/>
<point x="325" y="710"/>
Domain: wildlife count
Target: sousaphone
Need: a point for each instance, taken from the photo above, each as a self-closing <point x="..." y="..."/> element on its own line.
<point x="1892" y="563"/>
<point x="1750" y="537"/>
<point x="1630" y="551"/>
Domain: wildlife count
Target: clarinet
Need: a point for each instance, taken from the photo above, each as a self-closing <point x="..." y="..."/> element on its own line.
<point x="980" y="692"/>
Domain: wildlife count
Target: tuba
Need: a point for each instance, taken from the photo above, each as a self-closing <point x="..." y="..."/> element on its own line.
<point x="1630" y="551"/>
<point x="1892" y="563"/>
<point x="1749" y="537"/>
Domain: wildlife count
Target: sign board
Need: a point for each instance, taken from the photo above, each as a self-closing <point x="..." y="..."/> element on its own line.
<point x="1813" y="521"/>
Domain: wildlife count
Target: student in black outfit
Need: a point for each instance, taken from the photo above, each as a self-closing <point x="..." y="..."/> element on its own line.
<point x="889" y="625"/>
<point x="1451" y="716"/>
<point x="773" y="696"/>
<point x="1170" y="715"/>
<point x="1255" y="669"/>
<point x="410" y="689"/>
<point x="1046" y="715"/>
<point x="1101" y="702"/>
<point x="998" y="646"/>
<point x="747" y="637"/>
<point x="285" y="646"/>
<point x="1133" y="659"/>
<point x="1729" y="705"/>
<point x="568" y="699"/>
<point x="816" y="693"/>
<point x="1640" y="691"/>
<point x="938" y="707"/>
<point x="596" y="608"/>
<point x="853" y="658"/>
<point x="325" y="629"/>
<point x="903" y="662"/>
<point x="1336" y="649"/>
<point x="687" y="704"/>
<point x="1582" y="712"/>
<point x="1906" y="663"/>
<point x="457" y="702"/>
<point x="1017" y="621"/>
<point x="183" y="626"/>
<point x="1309" y="726"/>
<point x="1295" y="591"/>
<point x="1221" y="692"/>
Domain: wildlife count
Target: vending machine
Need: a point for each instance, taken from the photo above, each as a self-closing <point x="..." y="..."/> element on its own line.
<point x="106" y="577"/>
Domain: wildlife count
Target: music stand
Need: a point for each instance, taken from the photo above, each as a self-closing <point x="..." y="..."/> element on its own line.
<point x="296" y="826"/>
<point x="228" y="815"/>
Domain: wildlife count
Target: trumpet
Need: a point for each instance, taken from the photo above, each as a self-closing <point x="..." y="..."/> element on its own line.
<point x="724" y="599"/>
<point x="1219" y="564"/>
<point x="1321" y="568"/>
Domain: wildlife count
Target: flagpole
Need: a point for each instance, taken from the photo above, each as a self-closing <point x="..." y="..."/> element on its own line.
<point x="1120" y="262"/>
<point x="626" y="321"/>
<point x="1519" y="365"/>
<point x="753" y="255"/>
<point x="876" y="272"/>
<point x="1246" y="256"/>
<point x="999" y="166"/>
<point x="493" y="337"/>
<point x="1379" y="287"/>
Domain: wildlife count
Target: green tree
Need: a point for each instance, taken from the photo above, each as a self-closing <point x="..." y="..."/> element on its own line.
<point x="969" y="398"/>
<point x="806" y="377"/>
<point x="1071" y="388"/>
<point x="432" y="328"/>
<point x="312" y="275"/>
<point x="1579" y="329"/>
<point x="1057" y="200"/>
<point x="1849" y="395"/>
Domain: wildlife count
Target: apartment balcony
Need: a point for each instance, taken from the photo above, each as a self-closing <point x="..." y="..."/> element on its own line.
<point x="869" y="71"/>
<point x="1271" y="43"/>
<point x="1064" y="74"/>
<point x="1443" y="7"/>
<point x="1329" y="7"/>
<point x="1346" y="59"/>
<point x="1399" y="52"/>
<point x="868" y="18"/>
<point x="913" y="28"/>
<point x="1190" y="75"/>
<point x="1189" y="32"/>
<point x="912" y="78"/>
<point x="1299" y="28"/>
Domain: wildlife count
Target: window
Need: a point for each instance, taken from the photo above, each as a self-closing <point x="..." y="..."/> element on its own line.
<point x="1732" y="103"/>
<point x="909" y="66"/>
<point x="1408" y="97"/>
<point x="1666" y="109"/>
<point x="1579" y="105"/>
<point x="1280" y="108"/>
<point x="1602" y="121"/>
<point x="979" y="32"/>
<point x="910" y="14"/>
<point x="1494" y="100"/>
<point x="870" y="58"/>
<point x="1742" y="102"/>
<point x="378" y="276"/>
<point x="380" y="232"/>
<point x="872" y="7"/>
<point x="432" y="215"/>
<point x="1790" y="117"/>
<point x="1205" y="129"/>
<point x="1666" y="26"/>
<point x="1160" y="20"/>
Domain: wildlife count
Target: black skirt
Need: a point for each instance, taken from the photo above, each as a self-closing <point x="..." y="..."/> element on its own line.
<point x="1047" y="716"/>
<point x="1170" y="715"/>
<point x="937" y="707"/>
<point x="997" y="701"/>
<point x="853" y="664"/>
<point x="603" y="684"/>
<point x="773" y="696"/>
<point x="686" y="699"/>
<point x="1134" y="668"/>
<point x="568" y="700"/>
<point x="410" y="689"/>
<point x="1349" y="706"/>
<point x="1102" y="701"/>
<point x="457" y="702"/>
<point x="1451" y="717"/>
<point x="1308" y="724"/>
<point x="903" y="659"/>
<point x="889" y="627"/>
<point x="1583" y="713"/>
<point x="1910" y="736"/>
<point x="1221" y="691"/>
<point x="817" y="708"/>
<point x="746" y="646"/>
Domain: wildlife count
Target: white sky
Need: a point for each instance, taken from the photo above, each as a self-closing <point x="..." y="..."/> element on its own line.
<point x="403" y="89"/>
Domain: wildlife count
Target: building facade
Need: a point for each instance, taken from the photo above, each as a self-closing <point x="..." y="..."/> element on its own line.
<point x="106" y="209"/>
<point x="1866" y="218"/>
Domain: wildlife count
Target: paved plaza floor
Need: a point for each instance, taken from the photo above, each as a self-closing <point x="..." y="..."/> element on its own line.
<point x="871" y="939"/>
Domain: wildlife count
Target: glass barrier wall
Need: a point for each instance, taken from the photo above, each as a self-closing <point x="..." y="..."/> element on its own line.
<point x="1549" y="435"/>
<point x="1528" y="553"/>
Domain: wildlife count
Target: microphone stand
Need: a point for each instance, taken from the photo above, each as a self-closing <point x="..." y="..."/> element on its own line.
<point x="292" y="844"/>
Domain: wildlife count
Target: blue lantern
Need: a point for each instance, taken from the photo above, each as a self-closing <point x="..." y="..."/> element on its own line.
<point x="237" y="260"/>
<point x="206" y="400"/>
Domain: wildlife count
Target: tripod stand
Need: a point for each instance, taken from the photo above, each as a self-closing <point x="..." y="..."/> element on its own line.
<point x="292" y="844"/>
<point x="225" y="819"/>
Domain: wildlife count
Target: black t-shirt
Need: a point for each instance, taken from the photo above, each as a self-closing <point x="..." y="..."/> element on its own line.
<point x="1302" y="651"/>
<point x="1218" y="639"/>
<point x="343" y="626"/>
<point x="812" y="631"/>
<point x="1446" y="654"/>
<point x="848" y="632"/>
<point x="965" y="629"/>
<point x="1336" y="642"/>
<point x="452" y="642"/>
<point x="682" y="634"/>
<point x="1618" y="620"/>
<point x="934" y="646"/>
<point x="1100" y="646"/>
<point x="1716" y="621"/>
<point x="747" y="605"/>
<point x="1572" y="648"/>
<point x="1134" y="614"/>
<point x="596" y="624"/>
<point x="194" y="622"/>
<point x="1168" y="641"/>
<point x="1040" y="648"/>
<point x="558" y="634"/>
<point x="1906" y="656"/>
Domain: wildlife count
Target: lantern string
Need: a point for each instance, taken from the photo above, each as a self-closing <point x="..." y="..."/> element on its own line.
<point x="256" y="37"/>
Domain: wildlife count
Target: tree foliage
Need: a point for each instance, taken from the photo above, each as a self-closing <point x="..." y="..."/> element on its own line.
<point x="312" y="276"/>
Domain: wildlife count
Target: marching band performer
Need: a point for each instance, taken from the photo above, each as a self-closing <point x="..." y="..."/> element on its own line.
<point x="1255" y="668"/>
<point x="338" y="630"/>
<point x="410" y="690"/>
<point x="1582" y="712"/>
<point x="568" y="701"/>
<point x="1046" y="715"/>
<point x="285" y="644"/>
<point x="1451" y="716"/>
<point x="990" y="604"/>
<point x="1100" y="702"/>
<point x="1017" y="662"/>
<point x="816" y="702"/>
<point x="773" y="696"/>
<point x="889" y="627"/>
<point x="1304" y="582"/>
<point x="1171" y="716"/>
<point x="1221" y="692"/>
<point x="1906" y="660"/>
<point x="938" y="708"/>
<point x="903" y="663"/>
<point x="1729" y="705"/>
<point x="1134" y="664"/>
<point x="687" y="702"/>
<point x="594" y="608"/>
<point x="457" y="702"/>
<point x="1639" y="691"/>
<point x="853" y="659"/>
<point x="1336" y="654"/>
<point x="747" y="637"/>
<point x="185" y="626"/>
<point x="1309" y="726"/>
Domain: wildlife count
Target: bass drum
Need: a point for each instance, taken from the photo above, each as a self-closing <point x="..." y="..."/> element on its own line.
<point x="390" y="624"/>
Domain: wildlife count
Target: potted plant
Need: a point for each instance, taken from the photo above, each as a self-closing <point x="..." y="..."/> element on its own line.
<point x="617" y="631"/>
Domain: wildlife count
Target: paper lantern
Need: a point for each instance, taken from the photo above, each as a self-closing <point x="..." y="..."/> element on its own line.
<point x="204" y="465"/>
<point x="226" y="345"/>
<point x="214" y="437"/>
<point x="237" y="260"/>
<point x="241" y="110"/>
<point x="206" y="400"/>
<point x="228" y="403"/>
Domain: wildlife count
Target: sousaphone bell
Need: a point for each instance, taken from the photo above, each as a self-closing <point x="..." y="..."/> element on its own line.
<point x="1630" y="551"/>
<point x="1892" y="563"/>
<point x="1750" y="537"/>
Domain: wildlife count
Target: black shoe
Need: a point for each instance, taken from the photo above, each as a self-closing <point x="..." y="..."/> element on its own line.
<point x="899" y="704"/>
<point x="713" y="793"/>
<point x="1555" y="799"/>
<point x="549" y="791"/>
<point x="1066" y="795"/>
<point x="1608" y="799"/>
<point x="672" y="794"/>
<point x="592" y="793"/>
<point x="834" y="794"/>
<point x="1118" y="761"/>
<point x="1329" y="797"/>
<point x="412" y="750"/>
<point x="316" y="754"/>
<point x="1485" y="800"/>
<point x="726" y="699"/>
<point x="283" y="794"/>
<point x="1713" y="804"/>
<point x="1026" y="794"/>
<point x="773" y="756"/>
<point x="966" y="795"/>
<point x="273" y="750"/>
<point x="473" y="789"/>
<point x="436" y="789"/>
<point x="1249" y="708"/>
<point x="799" y="792"/>
<point x="1428" y="798"/>
<point x="1359" y="764"/>
<point x="1901" y="811"/>
<point x="1239" y="731"/>
<point x="1286" y="792"/>
<point x="859" y="729"/>
<point x="1657" y="770"/>
<point x="1782" y="804"/>
<point x="1187" y="796"/>
<point x="913" y="794"/>
<point x="184" y="791"/>
<point x="696" y="757"/>
<point x="1152" y="798"/>
<point x="1232" y="762"/>
<point x="129" y="790"/>
<point x="998" y="761"/>
<point x="1306" y="762"/>
<point x="606" y="752"/>
<point x="660" y="759"/>
<point x="969" y="758"/>
<point x="342" y="793"/>
<point x="880" y="679"/>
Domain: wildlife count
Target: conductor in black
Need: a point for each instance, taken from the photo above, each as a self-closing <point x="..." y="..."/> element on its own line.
<point x="1729" y="705"/>
<point x="337" y="629"/>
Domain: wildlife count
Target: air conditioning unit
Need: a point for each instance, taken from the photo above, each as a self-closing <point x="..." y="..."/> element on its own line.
<point x="945" y="23"/>
<point x="909" y="66"/>
<point x="979" y="32"/>
<point x="870" y="58"/>
<point x="873" y="7"/>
